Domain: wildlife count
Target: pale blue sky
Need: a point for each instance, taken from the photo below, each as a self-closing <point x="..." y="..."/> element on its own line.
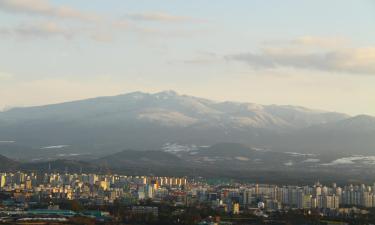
<point x="319" y="54"/>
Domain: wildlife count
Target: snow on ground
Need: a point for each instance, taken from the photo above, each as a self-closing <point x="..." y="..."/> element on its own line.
<point x="71" y="154"/>
<point x="290" y="163"/>
<point x="174" y="148"/>
<point x="311" y="160"/>
<point x="369" y="160"/>
<point x="209" y="159"/>
<point x="299" y="154"/>
<point x="240" y="158"/>
<point x="167" y="118"/>
<point x="259" y="149"/>
<point x="55" y="147"/>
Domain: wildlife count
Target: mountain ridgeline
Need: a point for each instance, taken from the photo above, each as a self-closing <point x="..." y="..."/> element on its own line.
<point x="222" y="160"/>
<point x="143" y="121"/>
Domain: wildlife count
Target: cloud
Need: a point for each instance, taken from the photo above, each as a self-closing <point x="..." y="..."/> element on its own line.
<point x="5" y="76"/>
<point x="44" y="8"/>
<point x="102" y="28"/>
<point x="326" y="42"/>
<point x="39" y="30"/>
<point x="50" y="29"/>
<point x="102" y="37"/>
<point x="199" y="61"/>
<point x="159" y="17"/>
<point x="98" y="33"/>
<point x="328" y="58"/>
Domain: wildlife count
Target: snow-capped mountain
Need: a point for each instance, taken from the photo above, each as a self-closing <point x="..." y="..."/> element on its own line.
<point x="147" y="121"/>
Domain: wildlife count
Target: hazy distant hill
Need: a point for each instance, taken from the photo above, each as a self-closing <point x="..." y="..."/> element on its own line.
<point x="242" y="157"/>
<point x="146" y="162"/>
<point x="147" y="121"/>
<point x="226" y="160"/>
<point x="62" y="165"/>
<point x="7" y="164"/>
<point x="355" y="135"/>
<point x="147" y="159"/>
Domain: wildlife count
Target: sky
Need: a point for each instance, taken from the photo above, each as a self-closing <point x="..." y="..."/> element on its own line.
<point x="318" y="54"/>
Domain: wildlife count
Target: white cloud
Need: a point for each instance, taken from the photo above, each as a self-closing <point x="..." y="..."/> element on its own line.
<point x="53" y="26"/>
<point x="325" y="42"/>
<point x="159" y="17"/>
<point x="347" y="60"/>
<point x="5" y="76"/>
<point x="102" y="36"/>
<point x="38" y="30"/>
<point x="52" y="29"/>
<point x="101" y="28"/>
<point x="45" y="8"/>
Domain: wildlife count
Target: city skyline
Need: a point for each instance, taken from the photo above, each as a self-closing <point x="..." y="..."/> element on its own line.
<point x="317" y="54"/>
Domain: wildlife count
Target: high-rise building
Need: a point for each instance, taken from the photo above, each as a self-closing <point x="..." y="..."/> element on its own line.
<point x="2" y="180"/>
<point x="318" y="191"/>
<point x="247" y="196"/>
<point x="328" y="201"/>
<point x="93" y="178"/>
<point x="303" y="200"/>
<point x="314" y="203"/>
<point x="366" y="199"/>
<point x="236" y="208"/>
<point x="28" y="184"/>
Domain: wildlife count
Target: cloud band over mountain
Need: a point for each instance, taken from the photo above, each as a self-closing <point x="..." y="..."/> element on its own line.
<point x="346" y="60"/>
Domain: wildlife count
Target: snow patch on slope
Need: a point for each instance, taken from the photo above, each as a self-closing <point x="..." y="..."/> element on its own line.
<point x="368" y="160"/>
<point x="311" y="160"/>
<point x="174" y="148"/>
<point x="296" y="154"/>
<point x="55" y="147"/>
<point x="167" y="118"/>
<point x="7" y="142"/>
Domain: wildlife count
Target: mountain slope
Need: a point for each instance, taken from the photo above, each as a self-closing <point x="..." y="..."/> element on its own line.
<point x="147" y="121"/>
<point x="145" y="162"/>
<point x="7" y="164"/>
<point x="129" y="158"/>
<point x="62" y="165"/>
<point x="355" y="135"/>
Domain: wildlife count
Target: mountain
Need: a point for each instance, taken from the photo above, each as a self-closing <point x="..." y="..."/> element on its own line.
<point x="62" y="165"/>
<point x="224" y="160"/>
<point x="233" y="160"/>
<point x="140" y="121"/>
<point x="355" y="135"/>
<point x="355" y="124"/>
<point x="226" y="150"/>
<point x="145" y="162"/>
<point x="243" y="157"/>
<point x="132" y="157"/>
<point x="7" y="164"/>
<point x="25" y="153"/>
<point x="213" y="162"/>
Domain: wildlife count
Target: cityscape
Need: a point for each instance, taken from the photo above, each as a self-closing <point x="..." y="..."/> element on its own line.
<point x="64" y="198"/>
<point x="187" y="112"/>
